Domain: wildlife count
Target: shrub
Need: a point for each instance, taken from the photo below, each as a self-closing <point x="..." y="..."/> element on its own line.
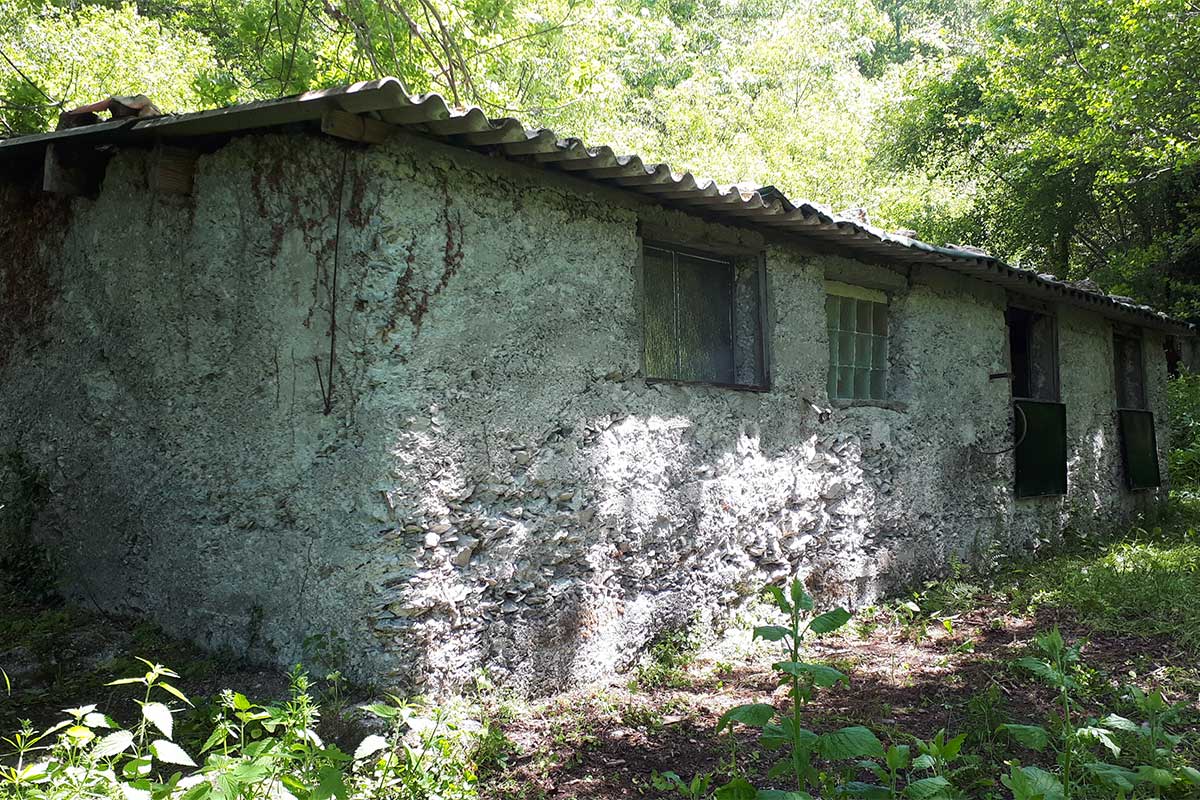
<point x="1183" y="402"/>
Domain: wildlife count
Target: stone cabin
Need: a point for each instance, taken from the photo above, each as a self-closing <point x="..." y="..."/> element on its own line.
<point x="455" y="394"/>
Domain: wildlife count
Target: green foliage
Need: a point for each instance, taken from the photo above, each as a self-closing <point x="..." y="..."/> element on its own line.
<point x="695" y="789"/>
<point x="60" y="58"/>
<point x="251" y="751"/>
<point x="1075" y="744"/>
<point x="1071" y="126"/>
<point x="797" y="745"/>
<point x="1143" y="585"/>
<point x="670" y="654"/>
<point x="1183" y="404"/>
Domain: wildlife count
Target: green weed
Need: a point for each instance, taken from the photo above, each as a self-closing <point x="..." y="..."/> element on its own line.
<point x="251" y="751"/>
<point x="668" y="659"/>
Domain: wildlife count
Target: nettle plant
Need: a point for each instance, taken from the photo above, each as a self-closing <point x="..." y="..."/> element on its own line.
<point x="899" y="775"/>
<point x="89" y="754"/>
<point x="784" y="732"/>
<point x="254" y="751"/>
<point x="1071" y="741"/>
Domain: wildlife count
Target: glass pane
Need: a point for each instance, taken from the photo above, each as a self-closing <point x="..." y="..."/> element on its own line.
<point x="847" y="323"/>
<point x="845" y="349"/>
<point x="862" y="384"/>
<point x="1043" y="359"/>
<point x="864" y="315"/>
<point x="832" y="311"/>
<point x="659" y="324"/>
<point x="879" y="352"/>
<point x="833" y="349"/>
<point x="833" y="382"/>
<point x="705" y="303"/>
<point x="879" y="320"/>
<point x="845" y="387"/>
<point x="878" y="384"/>
<point x="862" y="350"/>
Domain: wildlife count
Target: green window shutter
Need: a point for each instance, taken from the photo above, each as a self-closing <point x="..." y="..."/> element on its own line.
<point x="1139" y="449"/>
<point x="1041" y="452"/>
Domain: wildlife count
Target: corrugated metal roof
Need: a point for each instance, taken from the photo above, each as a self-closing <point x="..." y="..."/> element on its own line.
<point x="388" y="100"/>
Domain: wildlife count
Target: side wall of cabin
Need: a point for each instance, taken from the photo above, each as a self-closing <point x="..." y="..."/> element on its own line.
<point x="393" y="396"/>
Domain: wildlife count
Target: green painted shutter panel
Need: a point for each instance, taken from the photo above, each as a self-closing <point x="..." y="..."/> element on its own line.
<point x="1041" y="454"/>
<point x="1139" y="449"/>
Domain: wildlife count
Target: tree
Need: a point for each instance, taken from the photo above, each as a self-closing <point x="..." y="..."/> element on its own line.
<point x="1075" y="123"/>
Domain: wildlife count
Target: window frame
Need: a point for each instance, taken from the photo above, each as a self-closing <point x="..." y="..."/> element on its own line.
<point x="853" y="291"/>
<point x="1128" y="417"/>
<point x="736" y="261"/>
<point x="1025" y="458"/>
<point x="1043" y="311"/>
<point x="1137" y="340"/>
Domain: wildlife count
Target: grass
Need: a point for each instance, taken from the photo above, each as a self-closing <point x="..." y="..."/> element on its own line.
<point x="1144" y="584"/>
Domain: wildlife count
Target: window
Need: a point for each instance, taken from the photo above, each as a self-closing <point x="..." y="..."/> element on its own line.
<point x="1139" y="445"/>
<point x="1127" y="366"/>
<point x="857" y="321"/>
<point x="1039" y="419"/>
<point x="1033" y="354"/>
<point x="703" y="320"/>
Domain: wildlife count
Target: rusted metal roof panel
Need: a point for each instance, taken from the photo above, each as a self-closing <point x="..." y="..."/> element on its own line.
<point x="387" y="99"/>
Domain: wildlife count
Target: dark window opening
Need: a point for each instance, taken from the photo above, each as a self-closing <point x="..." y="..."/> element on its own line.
<point x="1174" y="357"/>
<point x="1135" y="423"/>
<point x="703" y="319"/>
<point x="1130" y="375"/>
<point x="1033" y="354"/>
<point x="1039" y="419"/>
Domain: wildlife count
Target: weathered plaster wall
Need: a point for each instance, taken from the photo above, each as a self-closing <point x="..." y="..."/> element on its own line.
<point x="488" y="481"/>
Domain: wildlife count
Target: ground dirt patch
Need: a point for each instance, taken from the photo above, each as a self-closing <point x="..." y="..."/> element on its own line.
<point x="908" y="679"/>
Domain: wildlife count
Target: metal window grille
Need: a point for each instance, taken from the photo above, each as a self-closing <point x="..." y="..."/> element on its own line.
<point x="858" y="334"/>
<point x="689" y="317"/>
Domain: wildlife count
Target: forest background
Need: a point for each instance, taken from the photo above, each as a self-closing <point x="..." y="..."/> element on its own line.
<point x="1060" y="135"/>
